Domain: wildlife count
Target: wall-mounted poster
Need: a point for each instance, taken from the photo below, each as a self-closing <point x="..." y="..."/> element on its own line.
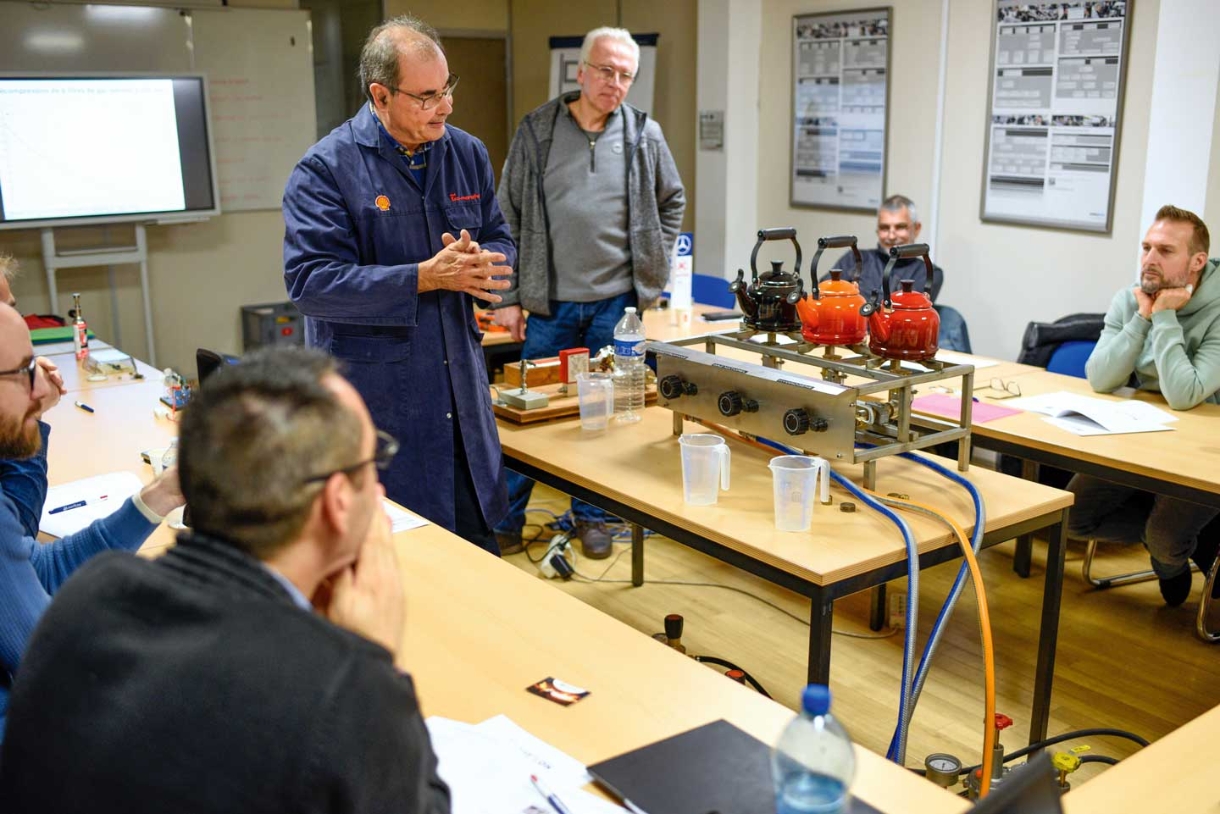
<point x="840" y="93"/>
<point x="1057" y="78"/>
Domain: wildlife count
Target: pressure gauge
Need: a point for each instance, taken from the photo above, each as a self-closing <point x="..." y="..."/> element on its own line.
<point x="943" y="769"/>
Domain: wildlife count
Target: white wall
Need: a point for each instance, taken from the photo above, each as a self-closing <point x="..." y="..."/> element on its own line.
<point x="727" y="192"/>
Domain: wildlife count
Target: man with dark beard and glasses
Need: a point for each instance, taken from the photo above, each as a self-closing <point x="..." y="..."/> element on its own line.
<point x="30" y="572"/>
<point x="1164" y="332"/>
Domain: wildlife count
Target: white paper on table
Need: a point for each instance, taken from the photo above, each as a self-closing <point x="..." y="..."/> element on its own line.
<point x="1083" y="425"/>
<point x="955" y="358"/>
<point x="401" y="519"/>
<point x="488" y="771"/>
<point x="98" y="497"/>
<point x="1082" y="415"/>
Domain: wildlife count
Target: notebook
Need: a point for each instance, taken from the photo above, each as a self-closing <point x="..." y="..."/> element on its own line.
<point x="715" y="767"/>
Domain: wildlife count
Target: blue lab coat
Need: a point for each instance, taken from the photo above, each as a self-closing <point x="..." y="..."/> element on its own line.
<point x="356" y="226"/>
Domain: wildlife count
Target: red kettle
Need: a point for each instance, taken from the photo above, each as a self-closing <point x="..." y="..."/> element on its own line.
<point x="831" y="315"/>
<point x="904" y="325"/>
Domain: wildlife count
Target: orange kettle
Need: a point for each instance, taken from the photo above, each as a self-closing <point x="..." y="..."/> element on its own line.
<point x="904" y="325"/>
<point x="832" y="313"/>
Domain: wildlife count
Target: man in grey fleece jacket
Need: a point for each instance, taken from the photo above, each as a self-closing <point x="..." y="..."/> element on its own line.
<point x="594" y="201"/>
<point x="1165" y="332"/>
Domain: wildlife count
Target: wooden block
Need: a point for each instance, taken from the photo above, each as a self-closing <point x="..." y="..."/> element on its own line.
<point x="543" y="371"/>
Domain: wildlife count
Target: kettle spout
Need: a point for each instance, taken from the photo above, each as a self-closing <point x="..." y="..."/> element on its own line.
<point x="747" y="304"/>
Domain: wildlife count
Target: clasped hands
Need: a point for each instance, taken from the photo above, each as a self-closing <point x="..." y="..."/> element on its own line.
<point x="1163" y="300"/>
<point x="463" y="266"/>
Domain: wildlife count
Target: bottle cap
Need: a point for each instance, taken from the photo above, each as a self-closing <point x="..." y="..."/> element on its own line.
<point x="816" y="699"/>
<point x="630" y="309"/>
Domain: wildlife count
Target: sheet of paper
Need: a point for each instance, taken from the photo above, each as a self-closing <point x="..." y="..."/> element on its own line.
<point x="955" y="358"/>
<point x="1082" y="425"/>
<point x="1144" y="411"/>
<point x="1083" y="415"/>
<point x="488" y="771"/>
<point x="401" y="519"/>
<point x="71" y="507"/>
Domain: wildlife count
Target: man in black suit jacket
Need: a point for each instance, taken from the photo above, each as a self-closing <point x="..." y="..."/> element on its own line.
<point x="251" y="668"/>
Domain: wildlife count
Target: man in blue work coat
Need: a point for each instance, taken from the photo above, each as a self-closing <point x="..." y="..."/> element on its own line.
<point x="391" y="228"/>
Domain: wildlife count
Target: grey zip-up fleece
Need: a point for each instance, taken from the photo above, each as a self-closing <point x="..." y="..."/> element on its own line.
<point x="655" y="203"/>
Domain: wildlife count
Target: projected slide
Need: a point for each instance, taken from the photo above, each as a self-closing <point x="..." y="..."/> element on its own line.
<point x="84" y="148"/>
<point x="98" y="147"/>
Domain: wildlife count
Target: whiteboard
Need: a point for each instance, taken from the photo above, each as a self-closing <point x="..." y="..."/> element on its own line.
<point x="259" y="64"/>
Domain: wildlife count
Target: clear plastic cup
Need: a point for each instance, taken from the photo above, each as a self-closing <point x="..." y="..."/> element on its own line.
<point x="705" y="468"/>
<point x="596" y="394"/>
<point x="794" y="481"/>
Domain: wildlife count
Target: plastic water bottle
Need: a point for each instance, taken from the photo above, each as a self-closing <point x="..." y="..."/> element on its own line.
<point x="629" y="368"/>
<point x="813" y="763"/>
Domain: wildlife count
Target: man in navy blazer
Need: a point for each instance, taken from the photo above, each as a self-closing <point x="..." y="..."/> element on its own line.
<point x="392" y="230"/>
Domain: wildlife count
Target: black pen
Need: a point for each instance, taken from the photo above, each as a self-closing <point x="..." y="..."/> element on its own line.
<point x="84" y="406"/>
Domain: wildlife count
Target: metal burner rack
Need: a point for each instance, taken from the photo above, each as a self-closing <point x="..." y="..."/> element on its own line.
<point x="829" y="414"/>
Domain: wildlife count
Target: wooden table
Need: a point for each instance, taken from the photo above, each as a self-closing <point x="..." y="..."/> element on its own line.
<point x="475" y="642"/>
<point x="634" y="471"/>
<point x="1183" y="463"/>
<point x="1172" y="775"/>
<point x="77" y="382"/>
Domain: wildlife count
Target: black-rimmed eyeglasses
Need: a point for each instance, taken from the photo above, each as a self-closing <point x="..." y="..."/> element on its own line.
<point x="387" y="448"/>
<point x="29" y="371"/>
<point x="429" y="101"/>
<point x="609" y="74"/>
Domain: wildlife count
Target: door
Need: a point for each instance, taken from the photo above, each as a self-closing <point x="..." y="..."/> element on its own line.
<point x="480" y="105"/>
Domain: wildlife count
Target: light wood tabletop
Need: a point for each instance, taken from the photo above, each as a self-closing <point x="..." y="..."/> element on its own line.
<point x="1184" y="462"/>
<point x="479" y="631"/>
<point x="640" y="465"/>
<point x="1174" y="774"/>
<point x="76" y="377"/>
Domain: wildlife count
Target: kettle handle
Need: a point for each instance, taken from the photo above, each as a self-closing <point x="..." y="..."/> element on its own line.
<point x="782" y="233"/>
<point x="902" y="253"/>
<point x="839" y="242"/>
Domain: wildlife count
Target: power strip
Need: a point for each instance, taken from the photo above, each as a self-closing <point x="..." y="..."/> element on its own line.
<point x="559" y="547"/>
<point x="896" y="609"/>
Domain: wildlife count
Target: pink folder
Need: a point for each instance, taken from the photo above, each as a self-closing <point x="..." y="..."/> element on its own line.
<point x="951" y="407"/>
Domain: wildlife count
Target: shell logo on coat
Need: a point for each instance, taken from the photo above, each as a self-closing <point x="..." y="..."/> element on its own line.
<point x="383" y="203"/>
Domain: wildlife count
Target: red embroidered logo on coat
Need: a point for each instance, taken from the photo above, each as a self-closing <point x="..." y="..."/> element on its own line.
<point x="453" y="196"/>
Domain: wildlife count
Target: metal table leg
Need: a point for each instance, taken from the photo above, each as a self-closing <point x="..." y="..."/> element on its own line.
<point x="821" y="621"/>
<point x="1048" y="636"/>
<point x="1025" y="543"/>
<point x="637" y="555"/>
<point x="876" y="616"/>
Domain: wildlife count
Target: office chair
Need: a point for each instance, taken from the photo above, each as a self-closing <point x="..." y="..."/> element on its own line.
<point x="208" y="362"/>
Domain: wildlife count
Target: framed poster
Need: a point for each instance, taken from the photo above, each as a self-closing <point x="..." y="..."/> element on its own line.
<point x="1057" y="77"/>
<point x="840" y="94"/>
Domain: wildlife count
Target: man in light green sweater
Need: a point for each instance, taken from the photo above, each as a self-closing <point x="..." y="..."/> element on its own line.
<point x="1164" y="332"/>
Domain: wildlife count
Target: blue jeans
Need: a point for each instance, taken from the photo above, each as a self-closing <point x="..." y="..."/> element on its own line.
<point x="570" y="325"/>
<point x="1111" y="513"/>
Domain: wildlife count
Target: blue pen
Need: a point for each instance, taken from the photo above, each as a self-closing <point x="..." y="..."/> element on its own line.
<point x="555" y="802"/>
<point x="68" y="507"/>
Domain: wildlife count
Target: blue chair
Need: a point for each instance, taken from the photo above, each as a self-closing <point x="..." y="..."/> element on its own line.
<point x="1070" y="357"/>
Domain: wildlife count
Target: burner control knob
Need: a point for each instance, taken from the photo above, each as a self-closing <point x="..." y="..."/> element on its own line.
<point x="731" y="403"/>
<point x="798" y="421"/>
<point x="671" y="387"/>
